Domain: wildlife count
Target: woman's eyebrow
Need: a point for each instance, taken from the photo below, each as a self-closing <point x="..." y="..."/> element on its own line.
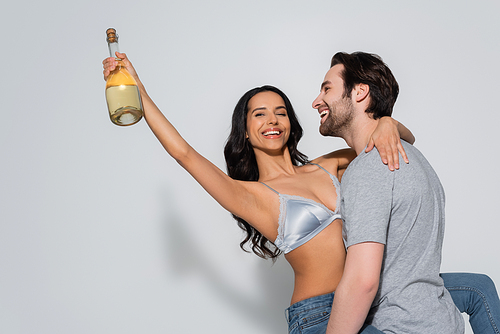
<point x="259" y="108"/>
<point x="264" y="108"/>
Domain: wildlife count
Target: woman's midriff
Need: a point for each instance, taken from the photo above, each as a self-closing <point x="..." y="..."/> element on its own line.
<point x="318" y="264"/>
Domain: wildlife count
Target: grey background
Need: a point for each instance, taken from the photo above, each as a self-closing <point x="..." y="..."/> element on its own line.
<point x="102" y="232"/>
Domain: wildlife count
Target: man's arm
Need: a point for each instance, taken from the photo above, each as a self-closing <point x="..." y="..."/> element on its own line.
<point x="357" y="288"/>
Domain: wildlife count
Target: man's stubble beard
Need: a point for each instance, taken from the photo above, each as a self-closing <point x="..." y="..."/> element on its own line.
<point x="338" y="121"/>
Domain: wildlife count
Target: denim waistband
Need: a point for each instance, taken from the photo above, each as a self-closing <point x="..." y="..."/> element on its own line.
<point x="308" y="304"/>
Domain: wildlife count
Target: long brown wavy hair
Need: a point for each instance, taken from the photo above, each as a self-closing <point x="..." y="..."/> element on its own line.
<point x="242" y="165"/>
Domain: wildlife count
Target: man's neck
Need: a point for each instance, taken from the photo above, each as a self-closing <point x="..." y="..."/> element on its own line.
<point x="360" y="132"/>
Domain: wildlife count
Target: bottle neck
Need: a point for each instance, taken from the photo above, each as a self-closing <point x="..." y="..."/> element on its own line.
<point x="113" y="47"/>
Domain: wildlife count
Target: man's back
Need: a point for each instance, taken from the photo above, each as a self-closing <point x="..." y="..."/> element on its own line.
<point x="404" y="210"/>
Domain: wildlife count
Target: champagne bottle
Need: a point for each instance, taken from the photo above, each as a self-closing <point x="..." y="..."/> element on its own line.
<point x="122" y="94"/>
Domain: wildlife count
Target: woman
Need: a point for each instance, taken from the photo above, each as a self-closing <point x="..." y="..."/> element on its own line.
<point x="271" y="189"/>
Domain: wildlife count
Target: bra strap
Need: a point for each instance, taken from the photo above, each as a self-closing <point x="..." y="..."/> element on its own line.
<point x="312" y="163"/>
<point x="270" y="188"/>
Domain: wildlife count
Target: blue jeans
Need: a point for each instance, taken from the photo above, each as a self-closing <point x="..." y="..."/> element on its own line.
<point x="310" y="316"/>
<point x="474" y="294"/>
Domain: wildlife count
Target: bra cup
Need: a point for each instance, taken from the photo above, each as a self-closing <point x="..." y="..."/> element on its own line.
<point x="302" y="219"/>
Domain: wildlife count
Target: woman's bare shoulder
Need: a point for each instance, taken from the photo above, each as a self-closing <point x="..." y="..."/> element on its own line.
<point x="336" y="160"/>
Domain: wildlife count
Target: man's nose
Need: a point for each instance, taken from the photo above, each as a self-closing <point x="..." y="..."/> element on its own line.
<point x="317" y="102"/>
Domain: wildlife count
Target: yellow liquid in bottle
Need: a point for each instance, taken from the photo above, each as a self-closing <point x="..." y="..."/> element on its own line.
<point x="123" y="98"/>
<point x="124" y="104"/>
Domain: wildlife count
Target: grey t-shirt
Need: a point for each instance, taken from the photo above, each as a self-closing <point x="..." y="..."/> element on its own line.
<point x="404" y="210"/>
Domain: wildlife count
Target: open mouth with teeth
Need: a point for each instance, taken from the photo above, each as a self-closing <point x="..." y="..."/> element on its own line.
<point x="272" y="133"/>
<point x="323" y="115"/>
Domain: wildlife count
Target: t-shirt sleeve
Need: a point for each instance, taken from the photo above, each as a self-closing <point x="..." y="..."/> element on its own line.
<point x="366" y="200"/>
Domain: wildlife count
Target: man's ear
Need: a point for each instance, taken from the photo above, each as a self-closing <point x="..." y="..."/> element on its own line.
<point x="361" y="92"/>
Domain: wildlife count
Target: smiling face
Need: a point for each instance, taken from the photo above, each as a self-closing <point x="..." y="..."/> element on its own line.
<point x="335" y="109"/>
<point x="268" y="126"/>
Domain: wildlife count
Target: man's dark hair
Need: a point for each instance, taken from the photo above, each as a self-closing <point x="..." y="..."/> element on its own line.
<point x="369" y="69"/>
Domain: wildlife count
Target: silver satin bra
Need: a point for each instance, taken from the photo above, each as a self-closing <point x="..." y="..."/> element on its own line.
<point x="302" y="218"/>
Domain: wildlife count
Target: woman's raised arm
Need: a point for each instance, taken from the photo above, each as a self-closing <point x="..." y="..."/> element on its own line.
<point x="387" y="138"/>
<point x="237" y="197"/>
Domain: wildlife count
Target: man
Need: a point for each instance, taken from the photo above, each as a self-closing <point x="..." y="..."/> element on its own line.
<point x="393" y="220"/>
